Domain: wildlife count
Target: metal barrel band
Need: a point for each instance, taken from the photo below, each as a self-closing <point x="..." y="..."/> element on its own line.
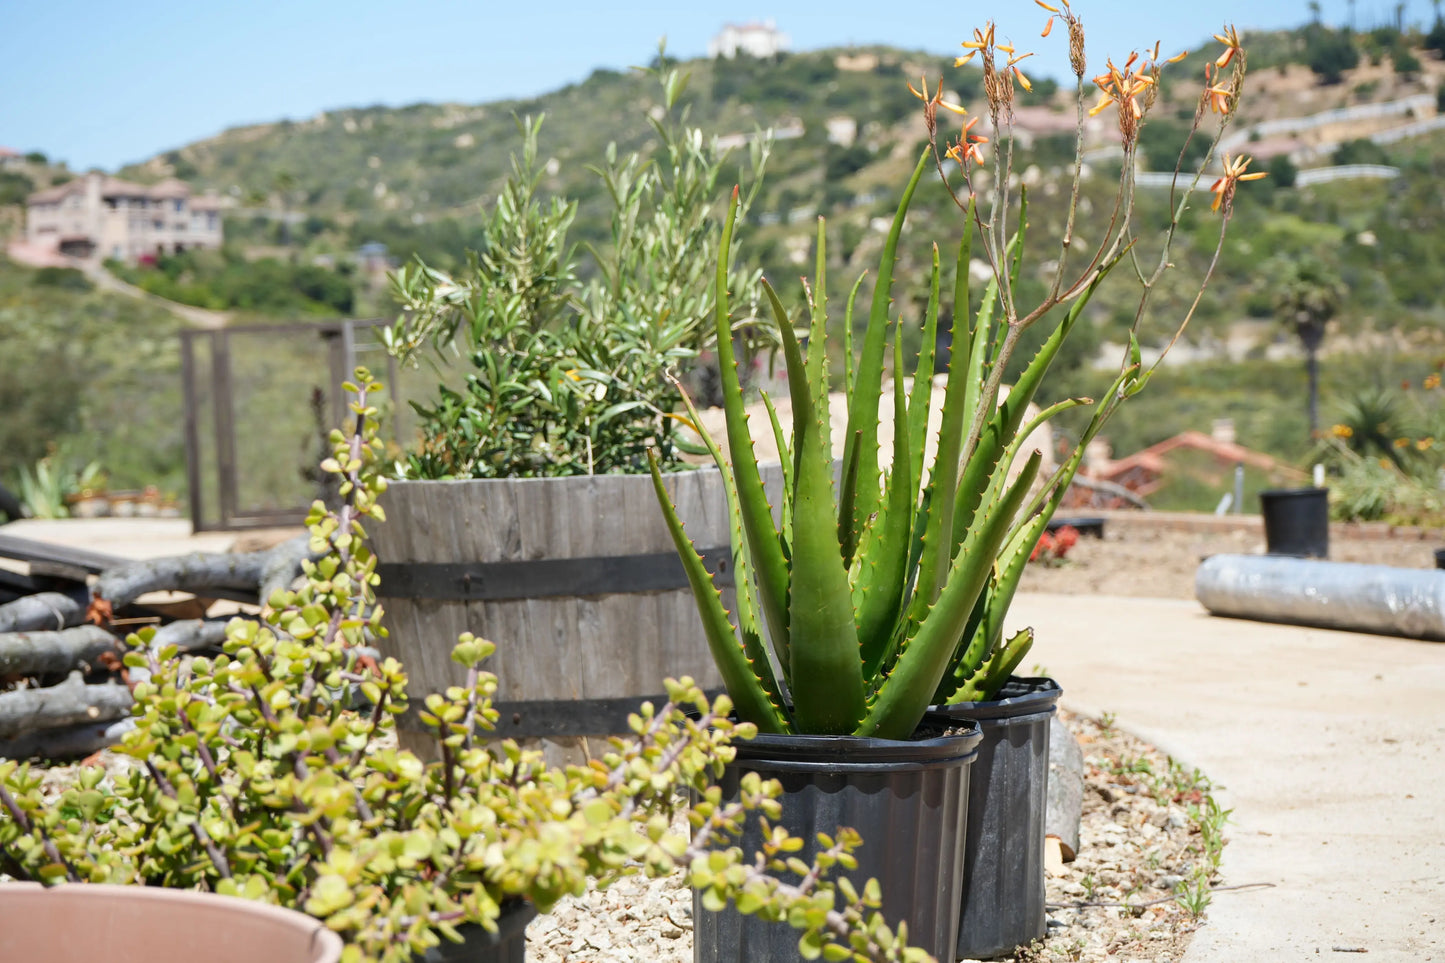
<point x="559" y="718"/>
<point x="545" y="578"/>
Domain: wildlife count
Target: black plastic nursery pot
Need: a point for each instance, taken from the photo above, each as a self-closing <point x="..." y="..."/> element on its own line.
<point x="1086" y="527"/>
<point x="908" y="799"/>
<point x="507" y="945"/>
<point x="1003" y="864"/>
<point x="1296" y="521"/>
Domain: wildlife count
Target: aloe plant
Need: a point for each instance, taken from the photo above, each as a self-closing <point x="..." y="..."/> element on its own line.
<point x="887" y="594"/>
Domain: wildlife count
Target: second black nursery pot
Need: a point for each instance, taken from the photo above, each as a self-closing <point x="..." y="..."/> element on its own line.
<point x="908" y="799"/>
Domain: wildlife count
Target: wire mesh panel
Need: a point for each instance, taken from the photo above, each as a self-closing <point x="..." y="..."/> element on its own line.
<point x="260" y="402"/>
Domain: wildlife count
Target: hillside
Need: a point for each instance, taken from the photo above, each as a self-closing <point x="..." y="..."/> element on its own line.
<point x="309" y="193"/>
<point x="416" y="178"/>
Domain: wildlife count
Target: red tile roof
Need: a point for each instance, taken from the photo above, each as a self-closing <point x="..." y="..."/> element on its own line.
<point x="113" y="187"/>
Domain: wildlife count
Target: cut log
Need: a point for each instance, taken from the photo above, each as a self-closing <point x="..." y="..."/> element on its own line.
<point x="68" y="704"/>
<point x="51" y="611"/>
<point x="70" y="742"/>
<point x="191" y="634"/>
<point x="198" y="572"/>
<point x="55" y="653"/>
<point x="1066" y="789"/>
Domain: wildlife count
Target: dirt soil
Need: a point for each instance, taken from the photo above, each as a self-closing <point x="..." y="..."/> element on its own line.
<point x="1157" y="557"/>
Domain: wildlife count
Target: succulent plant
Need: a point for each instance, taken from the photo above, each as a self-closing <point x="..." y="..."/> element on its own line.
<point x="887" y="592"/>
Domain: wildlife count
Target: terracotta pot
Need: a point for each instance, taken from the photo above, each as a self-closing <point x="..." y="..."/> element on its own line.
<point x="82" y="923"/>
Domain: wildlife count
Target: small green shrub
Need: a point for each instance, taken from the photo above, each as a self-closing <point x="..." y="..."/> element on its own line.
<point x="571" y="375"/>
<point x="66" y="279"/>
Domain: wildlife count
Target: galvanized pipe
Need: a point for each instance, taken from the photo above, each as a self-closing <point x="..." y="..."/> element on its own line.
<point x="1363" y="598"/>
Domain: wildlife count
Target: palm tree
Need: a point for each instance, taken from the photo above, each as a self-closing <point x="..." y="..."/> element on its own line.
<point x="1307" y="293"/>
<point x="1314" y="6"/>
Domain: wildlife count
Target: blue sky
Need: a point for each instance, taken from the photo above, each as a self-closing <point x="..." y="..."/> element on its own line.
<point x="100" y="84"/>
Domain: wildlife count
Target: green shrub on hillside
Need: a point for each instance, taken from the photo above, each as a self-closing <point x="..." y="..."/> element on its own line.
<point x="225" y="280"/>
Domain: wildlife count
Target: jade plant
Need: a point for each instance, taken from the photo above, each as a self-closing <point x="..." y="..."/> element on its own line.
<point x="271" y="772"/>
<point x="886" y="591"/>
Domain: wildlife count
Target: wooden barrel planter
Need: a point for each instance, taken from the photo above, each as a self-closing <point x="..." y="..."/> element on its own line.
<point x="576" y="580"/>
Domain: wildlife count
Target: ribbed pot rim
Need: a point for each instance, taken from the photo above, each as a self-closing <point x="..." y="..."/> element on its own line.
<point x="1022" y="696"/>
<point x="797" y="752"/>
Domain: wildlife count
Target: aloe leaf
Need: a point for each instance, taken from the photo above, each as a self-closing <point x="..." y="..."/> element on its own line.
<point x="745" y="592"/>
<point x="985" y="625"/>
<point x="828" y="694"/>
<point x="817" y="360"/>
<point x="883" y="572"/>
<point x="936" y="548"/>
<point x="860" y="498"/>
<point x="1016" y="245"/>
<point x="1004" y="421"/>
<point x="922" y="661"/>
<point x="922" y="396"/>
<point x="785" y="456"/>
<point x="984" y="686"/>
<point x="980" y="344"/>
<point x="749" y="681"/>
<point x="848" y="337"/>
<point x="1020" y="438"/>
<point x="764" y="546"/>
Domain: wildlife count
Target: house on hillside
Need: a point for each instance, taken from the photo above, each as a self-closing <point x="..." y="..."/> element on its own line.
<point x="97" y="216"/>
<point x="1192" y="469"/>
<point x="754" y="39"/>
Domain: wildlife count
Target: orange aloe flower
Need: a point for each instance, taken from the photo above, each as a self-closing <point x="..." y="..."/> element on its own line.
<point x="979" y="42"/>
<point x="1234" y="172"/>
<point x="1218" y="95"/>
<point x="1054" y="12"/>
<point x="1230" y="39"/>
<point x="936" y="100"/>
<point x="969" y="146"/>
<point x="1123" y="86"/>
<point x="1013" y="65"/>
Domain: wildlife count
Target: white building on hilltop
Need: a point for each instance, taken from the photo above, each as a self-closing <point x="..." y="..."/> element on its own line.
<point x="754" y="39"/>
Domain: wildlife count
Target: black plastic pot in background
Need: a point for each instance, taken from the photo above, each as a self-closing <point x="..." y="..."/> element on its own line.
<point x="507" y="945"/>
<point x="1003" y="869"/>
<point x="1092" y="526"/>
<point x="1296" y="521"/>
<point x="1440" y="558"/>
<point x="907" y="799"/>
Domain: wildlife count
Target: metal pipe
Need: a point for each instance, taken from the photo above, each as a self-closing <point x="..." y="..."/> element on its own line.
<point x="1378" y="599"/>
